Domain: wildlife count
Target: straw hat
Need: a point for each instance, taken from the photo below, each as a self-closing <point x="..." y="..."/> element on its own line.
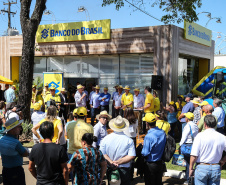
<point x="120" y="87"/>
<point x="97" y="87"/>
<point x="137" y="89"/>
<point x="103" y="113"/>
<point x="127" y="87"/>
<point x="46" y="84"/>
<point x="79" y="86"/>
<point x="195" y="102"/>
<point x="119" y="124"/>
<point x="63" y="89"/>
<point x="11" y="123"/>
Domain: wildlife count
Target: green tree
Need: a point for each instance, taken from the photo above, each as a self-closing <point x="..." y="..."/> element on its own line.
<point x="29" y="24"/>
<point x="175" y="10"/>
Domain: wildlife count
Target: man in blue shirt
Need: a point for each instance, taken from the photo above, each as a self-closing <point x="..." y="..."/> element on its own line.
<point x="153" y="147"/>
<point x="104" y="100"/>
<point x="220" y="114"/>
<point x="12" y="153"/>
<point x="9" y="94"/>
<point x="189" y="107"/>
<point x="95" y="104"/>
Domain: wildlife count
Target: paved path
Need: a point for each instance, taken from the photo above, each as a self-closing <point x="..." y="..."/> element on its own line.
<point x="137" y="180"/>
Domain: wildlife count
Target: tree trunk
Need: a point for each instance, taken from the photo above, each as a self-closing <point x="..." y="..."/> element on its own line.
<point x="29" y="28"/>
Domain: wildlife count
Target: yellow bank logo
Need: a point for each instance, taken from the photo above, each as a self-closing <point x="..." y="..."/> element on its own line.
<point x="91" y="30"/>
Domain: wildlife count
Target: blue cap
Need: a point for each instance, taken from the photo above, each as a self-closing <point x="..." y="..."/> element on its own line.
<point x="189" y="95"/>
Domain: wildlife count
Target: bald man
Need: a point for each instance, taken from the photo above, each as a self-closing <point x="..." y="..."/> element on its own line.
<point x="208" y="109"/>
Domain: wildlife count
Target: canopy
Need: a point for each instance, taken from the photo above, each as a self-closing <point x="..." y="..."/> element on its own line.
<point x="5" y="80"/>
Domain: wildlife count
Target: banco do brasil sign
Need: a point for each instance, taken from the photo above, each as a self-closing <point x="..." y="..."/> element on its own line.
<point x="197" y="33"/>
<point x="74" y="31"/>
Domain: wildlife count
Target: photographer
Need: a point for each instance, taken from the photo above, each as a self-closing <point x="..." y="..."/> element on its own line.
<point x="52" y="99"/>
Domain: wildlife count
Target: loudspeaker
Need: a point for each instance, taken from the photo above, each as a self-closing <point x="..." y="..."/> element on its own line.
<point x="156" y="82"/>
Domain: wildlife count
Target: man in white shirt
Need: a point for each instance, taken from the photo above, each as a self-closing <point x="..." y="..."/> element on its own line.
<point x="207" y="152"/>
<point x="138" y="104"/>
<point x="220" y="114"/>
<point x="80" y="97"/>
<point x="117" y="101"/>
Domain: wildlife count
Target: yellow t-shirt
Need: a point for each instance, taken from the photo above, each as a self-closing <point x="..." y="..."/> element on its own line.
<point x="75" y="131"/>
<point x="49" y="97"/>
<point x="33" y="96"/>
<point x="149" y="99"/>
<point x="126" y="99"/>
<point x="156" y="104"/>
<point x="56" y="122"/>
<point x="178" y="107"/>
<point x="165" y="126"/>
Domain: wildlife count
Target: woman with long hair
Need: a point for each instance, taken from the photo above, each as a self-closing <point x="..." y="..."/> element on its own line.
<point x="86" y="162"/>
<point x="52" y="117"/>
<point x="162" y="121"/>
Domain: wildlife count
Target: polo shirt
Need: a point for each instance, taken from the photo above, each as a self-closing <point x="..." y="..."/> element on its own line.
<point x="90" y="95"/>
<point x="117" y="98"/>
<point x="75" y="131"/>
<point x="95" y="100"/>
<point x="126" y="99"/>
<point x="100" y="132"/>
<point x="78" y="101"/>
<point x="208" y="146"/>
<point x="220" y="114"/>
<point x="164" y="125"/>
<point x="154" y="144"/>
<point x="149" y="99"/>
<point x="156" y="104"/>
<point x="56" y="122"/>
<point x="106" y="101"/>
<point x="11" y="151"/>
<point x="9" y="95"/>
<point x="186" y="134"/>
<point x="138" y="101"/>
<point x="117" y="145"/>
<point x="189" y="107"/>
<point x="201" y="124"/>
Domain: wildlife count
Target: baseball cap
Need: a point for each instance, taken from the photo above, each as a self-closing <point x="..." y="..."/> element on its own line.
<point x="149" y="117"/>
<point x="203" y="103"/>
<point x="82" y="111"/>
<point x="189" y="115"/>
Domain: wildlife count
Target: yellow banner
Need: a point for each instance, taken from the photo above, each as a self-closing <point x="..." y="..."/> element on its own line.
<point x="54" y="80"/>
<point x="197" y="33"/>
<point x="74" y="31"/>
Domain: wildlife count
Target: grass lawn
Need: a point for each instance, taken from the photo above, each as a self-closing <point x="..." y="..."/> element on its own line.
<point x="170" y="166"/>
<point x="28" y="145"/>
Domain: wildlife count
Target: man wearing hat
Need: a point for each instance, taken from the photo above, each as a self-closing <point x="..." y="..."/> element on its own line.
<point x="113" y="94"/>
<point x="95" y="104"/>
<point x="118" y="149"/>
<point x="127" y="98"/>
<point x="12" y="153"/>
<point x="76" y="129"/>
<point x="80" y="97"/>
<point x="63" y="104"/>
<point x="45" y="91"/>
<point x="104" y="100"/>
<point x="100" y="130"/>
<point x="117" y="102"/>
<point x="36" y="117"/>
<point x="197" y="115"/>
<point x="138" y="104"/>
<point x="52" y="96"/>
<point x="153" y="147"/>
<point x="9" y="94"/>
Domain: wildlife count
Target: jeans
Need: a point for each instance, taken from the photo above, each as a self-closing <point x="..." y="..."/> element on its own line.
<point x="207" y="174"/>
<point x="172" y="126"/>
<point x="94" y="112"/>
<point x="71" y="175"/>
<point x="104" y="107"/>
<point x="153" y="172"/>
<point x="187" y="159"/>
<point x="13" y="176"/>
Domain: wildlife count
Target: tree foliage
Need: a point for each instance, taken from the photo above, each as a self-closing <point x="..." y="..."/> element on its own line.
<point x="175" y="10"/>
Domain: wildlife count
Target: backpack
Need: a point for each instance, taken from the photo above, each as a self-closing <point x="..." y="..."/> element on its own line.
<point x="169" y="149"/>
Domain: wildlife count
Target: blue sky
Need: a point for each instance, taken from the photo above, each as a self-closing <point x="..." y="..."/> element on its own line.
<point x="66" y="11"/>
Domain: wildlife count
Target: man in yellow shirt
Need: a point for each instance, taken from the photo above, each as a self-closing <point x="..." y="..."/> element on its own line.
<point x="156" y="101"/>
<point x="33" y="98"/>
<point x="45" y="91"/>
<point x="148" y="104"/>
<point x="52" y="96"/>
<point x="76" y="129"/>
<point x="127" y="98"/>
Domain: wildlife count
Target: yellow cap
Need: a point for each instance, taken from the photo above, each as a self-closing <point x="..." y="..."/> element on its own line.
<point x="137" y="89"/>
<point x="37" y="106"/>
<point x="181" y="96"/>
<point x="149" y="117"/>
<point x="195" y="102"/>
<point x="127" y="87"/>
<point x="172" y="103"/>
<point x="189" y="115"/>
<point x="75" y="112"/>
<point x="157" y="115"/>
<point x="46" y="84"/>
<point x="79" y="86"/>
<point x="105" y="88"/>
<point x="82" y="111"/>
<point x="52" y="88"/>
<point x="203" y="103"/>
<point x="14" y="86"/>
<point x="97" y="87"/>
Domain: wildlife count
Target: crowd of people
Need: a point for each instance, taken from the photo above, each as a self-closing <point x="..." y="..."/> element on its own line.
<point x="69" y="148"/>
